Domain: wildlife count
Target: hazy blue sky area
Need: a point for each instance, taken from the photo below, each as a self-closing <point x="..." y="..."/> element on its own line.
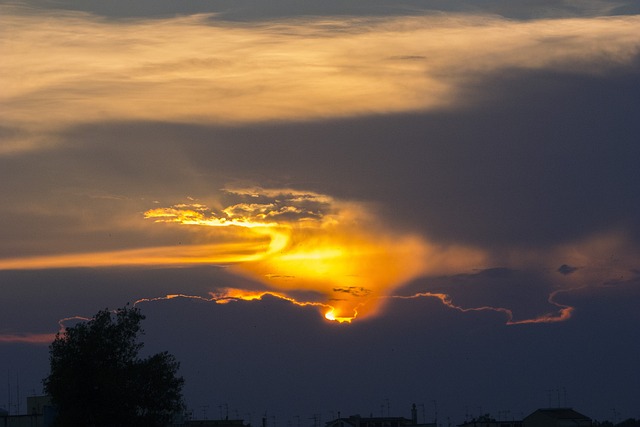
<point x="438" y="201"/>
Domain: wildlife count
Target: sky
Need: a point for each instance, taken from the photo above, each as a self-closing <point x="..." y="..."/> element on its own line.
<point x="337" y="207"/>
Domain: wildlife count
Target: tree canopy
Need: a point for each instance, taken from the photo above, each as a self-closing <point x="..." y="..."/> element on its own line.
<point x="98" y="379"/>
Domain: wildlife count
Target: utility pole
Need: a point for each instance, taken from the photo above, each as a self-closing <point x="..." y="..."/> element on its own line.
<point x="204" y="411"/>
<point x="226" y="407"/>
<point x="18" y="392"/>
<point x="8" y="392"/>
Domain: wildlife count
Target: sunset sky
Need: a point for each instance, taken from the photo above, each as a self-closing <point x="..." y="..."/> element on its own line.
<point x="330" y="206"/>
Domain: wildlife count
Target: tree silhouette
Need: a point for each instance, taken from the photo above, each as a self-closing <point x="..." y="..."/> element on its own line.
<point x="98" y="379"/>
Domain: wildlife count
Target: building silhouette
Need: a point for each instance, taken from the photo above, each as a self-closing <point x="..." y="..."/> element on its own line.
<point x="40" y="413"/>
<point x="358" y="421"/>
<point x="215" y="423"/>
<point x="487" y="421"/>
<point x="556" y="417"/>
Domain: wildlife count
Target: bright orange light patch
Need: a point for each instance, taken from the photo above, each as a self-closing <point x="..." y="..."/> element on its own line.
<point x="290" y="241"/>
<point x="330" y="315"/>
<point x="316" y="243"/>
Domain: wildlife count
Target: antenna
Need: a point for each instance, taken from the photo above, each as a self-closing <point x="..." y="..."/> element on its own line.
<point x="316" y="420"/>
<point x="204" y="411"/>
<point x="503" y="415"/>
<point x="550" y="397"/>
<point x="226" y="407"/>
<point x="615" y="415"/>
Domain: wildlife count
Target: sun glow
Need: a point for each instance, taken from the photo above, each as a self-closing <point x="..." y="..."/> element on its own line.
<point x="290" y="241"/>
<point x="315" y="243"/>
<point x="230" y="295"/>
<point x="330" y="315"/>
<point x="348" y="263"/>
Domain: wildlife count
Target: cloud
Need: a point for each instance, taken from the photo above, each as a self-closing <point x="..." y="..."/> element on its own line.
<point x="351" y="263"/>
<point x="201" y="70"/>
<point x="566" y="269"/>
<point x="338" y="249"/>
<point x="492" y="162"/>
<point x="259" y="208"/>
<point x="26" y="338"/>
<point x="290" y="241"/>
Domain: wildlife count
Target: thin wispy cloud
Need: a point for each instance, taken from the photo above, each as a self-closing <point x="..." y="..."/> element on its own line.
<point x="75" y="68"/>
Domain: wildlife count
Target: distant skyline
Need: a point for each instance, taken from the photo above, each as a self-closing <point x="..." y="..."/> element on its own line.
<point x="330" y="206"/>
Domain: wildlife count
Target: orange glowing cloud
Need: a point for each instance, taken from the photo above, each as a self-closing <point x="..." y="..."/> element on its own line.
<point x="27" y="338"/>
<point x="289" y="240"/>
<point x="316" y="243"/>
<point x="563" y="313"/>
<point x="178" y="255"/>
<point x="341" y="252"/>
<point x="31" y="338"/>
